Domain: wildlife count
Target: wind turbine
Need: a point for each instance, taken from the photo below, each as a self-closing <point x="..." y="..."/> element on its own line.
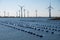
<point x="50" y="7"/>
<point x="36" y="12"/>
<point x="24" y="12"/>
<point x="4" y="13"/>
<point x="8" y="14"/>
<point x="16" y="14"/>
<point x="0" y="12"/>
<point x="21" y="10"/>
<point x="19" y="13"/>
<point x="27" y="13"/>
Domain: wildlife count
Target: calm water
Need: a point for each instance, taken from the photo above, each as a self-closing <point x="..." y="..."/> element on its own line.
<point x="29" y="29"/>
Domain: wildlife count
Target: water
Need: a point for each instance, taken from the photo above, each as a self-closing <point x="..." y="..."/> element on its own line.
<point x="29" y="29"/>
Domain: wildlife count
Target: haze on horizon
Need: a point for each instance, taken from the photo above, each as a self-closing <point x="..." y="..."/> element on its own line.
<point x="41" y="6"/>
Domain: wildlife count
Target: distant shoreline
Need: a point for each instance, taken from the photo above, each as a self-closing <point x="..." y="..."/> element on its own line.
<point x="55" y="18"/>
<point x="52" y="18"/>
<point x="22" y="17"/>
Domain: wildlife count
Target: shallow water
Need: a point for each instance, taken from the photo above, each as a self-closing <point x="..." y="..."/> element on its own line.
<point x="20" y="28"/>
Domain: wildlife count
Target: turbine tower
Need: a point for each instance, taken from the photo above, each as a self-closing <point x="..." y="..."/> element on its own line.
<point x="4" y="13"/>
<point x="24" y="12"/>
<point x="8" y="14"/>
<point x="21" y="10"/>
<point x="27" y="13"/>
<point x="19" y="13"/>
<point x="16" y="14"/>
<point x="50" y="7"/>
<point x="36" y="12"/>
<point x="0" y="12"/>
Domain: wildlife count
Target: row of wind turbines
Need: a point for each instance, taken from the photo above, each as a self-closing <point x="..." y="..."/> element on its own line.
<point x="20" y="12"/>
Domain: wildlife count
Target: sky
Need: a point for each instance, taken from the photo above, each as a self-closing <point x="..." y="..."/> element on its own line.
<point x="11" y="7"/>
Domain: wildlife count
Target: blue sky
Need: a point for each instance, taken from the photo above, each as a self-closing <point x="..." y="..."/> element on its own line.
<point x="12" y="7"/>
